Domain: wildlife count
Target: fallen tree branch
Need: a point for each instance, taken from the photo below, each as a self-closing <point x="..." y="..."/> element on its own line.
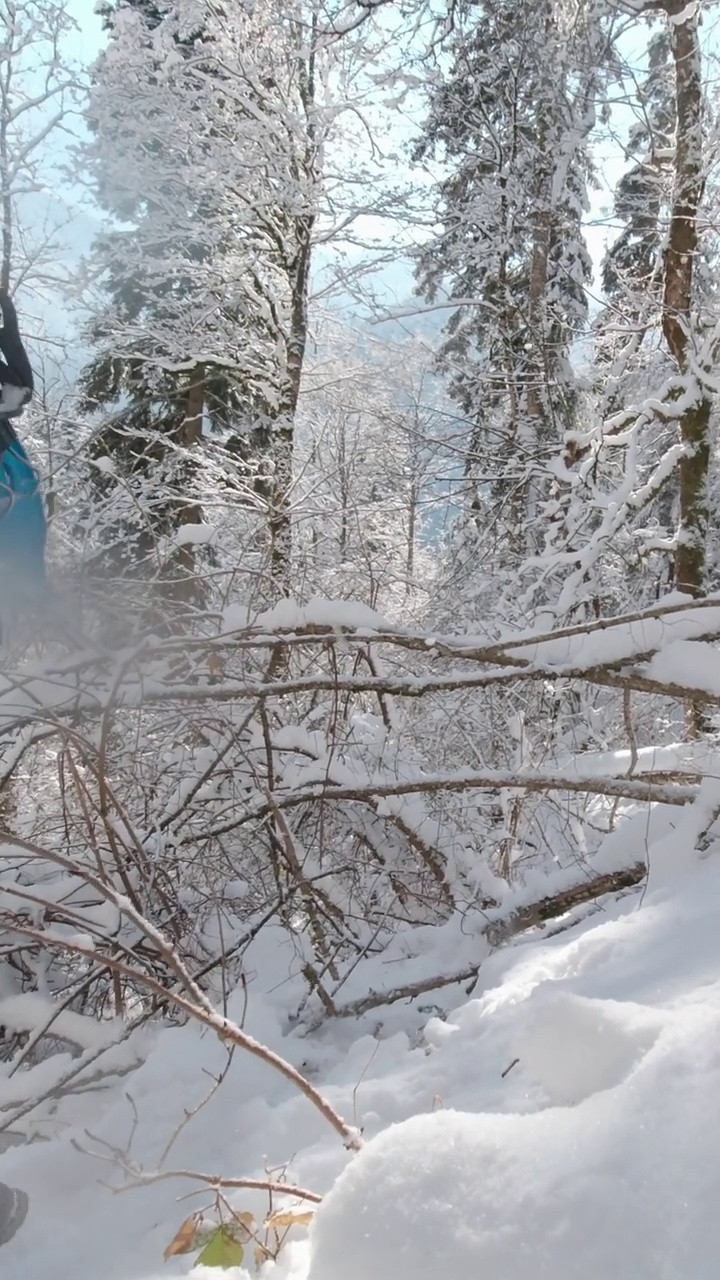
<point x="196" y="1006"/>
<point x="642" y="790"/>
<point x="537" y="913"/>
<point x="95" y="701"/>
<point x="499" y="933"/>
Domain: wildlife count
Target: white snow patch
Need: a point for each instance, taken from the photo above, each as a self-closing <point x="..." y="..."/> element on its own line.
<point x="622" y="641"/>
<point x="193" y="535"/>
<point x="576" y="1047"/>
<point x="692" y="663"/>
<point x="104" y="464"/>
<point x="31" y="1011"/>
<point x="288" y="615"/>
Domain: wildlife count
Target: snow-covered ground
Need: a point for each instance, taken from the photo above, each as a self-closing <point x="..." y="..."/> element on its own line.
<point x="561" y="1122"/>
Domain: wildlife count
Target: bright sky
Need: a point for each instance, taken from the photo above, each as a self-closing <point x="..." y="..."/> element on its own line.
<point x="58" y="203"/>
<point x="86" y="42"/>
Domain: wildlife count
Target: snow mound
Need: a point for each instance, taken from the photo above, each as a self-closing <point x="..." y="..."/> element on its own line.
<point x="612" y="1171"/>
<point x="576" y="1047"/>
<point x="614" y="1187"/>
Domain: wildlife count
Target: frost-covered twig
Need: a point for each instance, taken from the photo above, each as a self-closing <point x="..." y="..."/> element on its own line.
<point x="196" y="1006"/>
<point x="138" y="1177"/>
<point x="217" y="1181"/>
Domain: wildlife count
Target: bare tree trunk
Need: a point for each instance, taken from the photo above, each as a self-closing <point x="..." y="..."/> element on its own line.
<point x="412" y="532"/>
<point x="680" y="255"/>
<point x="298" y="275"/>
<point x="183" y="569"/>
<point x="678" y="296"/>
<point x="280" y="498"/>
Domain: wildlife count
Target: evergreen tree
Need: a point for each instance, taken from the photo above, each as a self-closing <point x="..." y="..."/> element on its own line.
<point x="510" y="125"/>
<point x="203" y="147"/>
<point x="639" y="475"/>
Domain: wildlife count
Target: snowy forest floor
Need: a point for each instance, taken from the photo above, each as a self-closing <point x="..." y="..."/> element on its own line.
<point x="593" y="1155"/>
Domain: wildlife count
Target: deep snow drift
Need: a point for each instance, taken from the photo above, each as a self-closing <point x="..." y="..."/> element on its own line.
<point x="594" y="1156"/>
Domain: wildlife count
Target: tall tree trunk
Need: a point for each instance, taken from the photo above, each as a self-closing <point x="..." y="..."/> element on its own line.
<point x="280" y="497"/>
<point x="298" y="273"/>
<point x="182" y="585"/>
<point x="414" y="500"/>
<point x="680" y="256"/>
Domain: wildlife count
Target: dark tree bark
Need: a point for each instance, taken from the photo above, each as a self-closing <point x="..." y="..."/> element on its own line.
<point x="680" y="259"/>
<point x="280" y="496"/>
<point x="680" y="262"/>
<point x="182" y="585"/>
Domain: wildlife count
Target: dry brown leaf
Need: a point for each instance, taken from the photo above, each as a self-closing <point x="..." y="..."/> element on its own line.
<point x="184" y="1240"/>
<point x="291" y="1218"/>
<point x="243" y="1226"/>
<point x="262" y="1255"/>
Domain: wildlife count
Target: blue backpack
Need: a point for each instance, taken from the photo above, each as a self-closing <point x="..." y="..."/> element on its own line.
<point x="22" y="523"/>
